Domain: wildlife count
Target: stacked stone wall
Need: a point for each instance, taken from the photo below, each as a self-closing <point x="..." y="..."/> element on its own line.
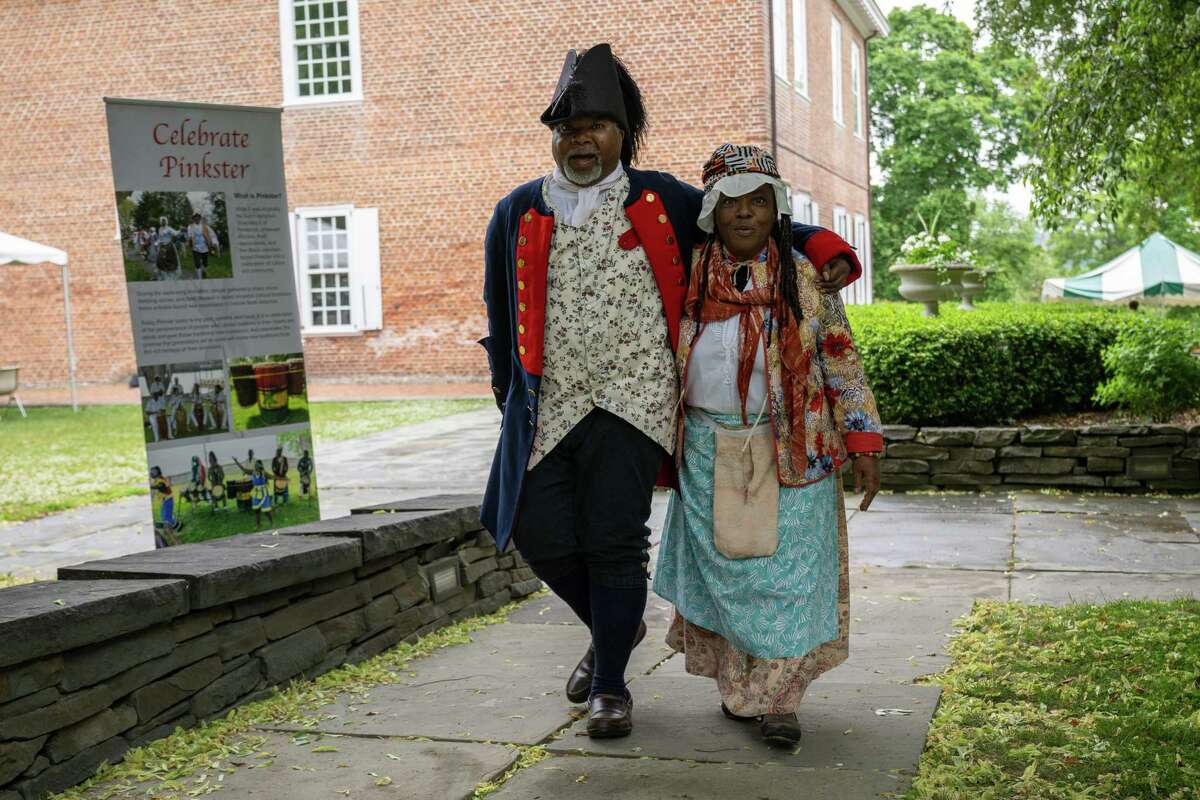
<point x="1108" y="457"/>
<point x="118" y="653"/>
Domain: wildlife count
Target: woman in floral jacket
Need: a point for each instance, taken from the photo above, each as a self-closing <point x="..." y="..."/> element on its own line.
<point x="753" y="554"/>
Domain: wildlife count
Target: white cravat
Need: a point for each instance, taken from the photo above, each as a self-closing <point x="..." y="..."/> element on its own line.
<point x="577" y="203"/>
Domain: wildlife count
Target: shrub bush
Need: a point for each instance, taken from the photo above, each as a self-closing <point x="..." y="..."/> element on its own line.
<point x="1151" y="369"/>
<point x="986" y="367"/>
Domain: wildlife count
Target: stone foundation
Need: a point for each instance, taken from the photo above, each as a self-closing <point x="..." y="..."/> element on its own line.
<point x="118" y="653"/>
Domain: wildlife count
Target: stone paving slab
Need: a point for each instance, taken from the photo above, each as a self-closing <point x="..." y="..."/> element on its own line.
<point x="361" y="768"/>
<point x="1162" y="526"/>
<point x="981" y="503"/>
<point x="674" y="720"/>
<point x="506" y="685"/>
<point x="1099" y="551"/>
<point x="958" y="540"/>
<point x="591" y="778"/>
<point x="1058" y="588"/>
<point x="917" y="601"/>
<point x="550" y="610"/>
<point x="1092" y="503"/>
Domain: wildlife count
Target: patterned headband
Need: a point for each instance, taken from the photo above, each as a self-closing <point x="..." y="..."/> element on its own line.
<point x="730" y="159"/>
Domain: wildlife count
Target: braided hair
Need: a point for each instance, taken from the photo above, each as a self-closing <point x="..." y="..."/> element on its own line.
<point x="635" y="114"/>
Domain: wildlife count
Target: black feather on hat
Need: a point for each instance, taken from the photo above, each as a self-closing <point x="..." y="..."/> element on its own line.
<point x="597" y="84"/>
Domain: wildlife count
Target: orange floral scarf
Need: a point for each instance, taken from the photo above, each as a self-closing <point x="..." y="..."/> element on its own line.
<point x="723" y="300"/>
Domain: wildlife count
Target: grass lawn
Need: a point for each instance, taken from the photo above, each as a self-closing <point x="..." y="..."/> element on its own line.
<point x="1085" y="701"/>
<point x="55" y="460"/>
<point x="248" y="418"/>
<point x="218" y="267"/>
<point x="202" y="522"/>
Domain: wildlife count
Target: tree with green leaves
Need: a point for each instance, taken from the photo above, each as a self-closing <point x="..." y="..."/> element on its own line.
<point x="950" y="120"/>
<point x="1123" y="107"/>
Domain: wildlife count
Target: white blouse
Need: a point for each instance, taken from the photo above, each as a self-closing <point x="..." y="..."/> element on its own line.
<point x="713" y="368"/>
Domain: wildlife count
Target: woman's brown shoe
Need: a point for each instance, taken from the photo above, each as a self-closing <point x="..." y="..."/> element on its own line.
<point x="780" y="729"/>
<point x="579" y="684"/>
<point x="610" y="716"/>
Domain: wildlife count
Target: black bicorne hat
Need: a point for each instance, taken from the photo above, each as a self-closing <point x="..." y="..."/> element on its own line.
<point x="598" y="84"/>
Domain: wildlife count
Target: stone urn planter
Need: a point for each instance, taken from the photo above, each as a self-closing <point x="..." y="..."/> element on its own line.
<point x="974" y="281"/>
<point x="928" y="284"/>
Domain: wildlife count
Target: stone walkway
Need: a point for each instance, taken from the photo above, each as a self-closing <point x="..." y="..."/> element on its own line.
<point x="465" y="714"/>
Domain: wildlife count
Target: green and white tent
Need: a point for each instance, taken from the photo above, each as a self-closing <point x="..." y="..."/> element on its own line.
<point x="1156" y="268"/>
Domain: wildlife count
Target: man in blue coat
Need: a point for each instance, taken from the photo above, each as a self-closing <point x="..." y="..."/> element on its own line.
<point x="585" y="279"/>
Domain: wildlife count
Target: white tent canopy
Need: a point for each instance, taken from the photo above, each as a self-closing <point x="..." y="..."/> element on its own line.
<point x="23" y="251"/>
<point x="14" y="249"/>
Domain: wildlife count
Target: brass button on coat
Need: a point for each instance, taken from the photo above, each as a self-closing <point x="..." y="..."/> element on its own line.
<point x="521" y="240"/>
<point x="662" y="217"/>
<point x="521" y="306"/>
<point x="520" y="329"/>
<point x="520" y="263"/>
<point x="529" y="217"/>
<point x="520" y="284"/>
<point x="521" y="349"/>
<point x="649" y="197"/>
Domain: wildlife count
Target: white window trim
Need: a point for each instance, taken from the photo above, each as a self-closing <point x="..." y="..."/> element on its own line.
<point x="862" y="236"/>
<point x="287" y="60"/>
<point x="802" y="207"/>
<point x="856" y="88"/>
<point x="835" y="84"/>
<point x="366" y="312"/>
<point x="779" y="38"/>
<point x="800" y="47"/>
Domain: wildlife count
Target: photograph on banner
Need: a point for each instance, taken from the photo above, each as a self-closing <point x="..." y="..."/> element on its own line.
<point x="171" y="236"/>
<point x="209" y="490"/>
<point x="180" y="401"/>
<point x="268" y="391"/>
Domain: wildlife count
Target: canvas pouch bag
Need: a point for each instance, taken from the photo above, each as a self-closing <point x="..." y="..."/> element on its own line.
<point x="745" y="494"/>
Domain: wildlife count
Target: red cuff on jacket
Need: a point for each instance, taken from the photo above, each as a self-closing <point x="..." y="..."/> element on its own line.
<point x="863" y="442"/>
<point x="824" y="246"/>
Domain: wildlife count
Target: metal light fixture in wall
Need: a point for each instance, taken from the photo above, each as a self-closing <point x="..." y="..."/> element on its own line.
<point x="443" y="576"/>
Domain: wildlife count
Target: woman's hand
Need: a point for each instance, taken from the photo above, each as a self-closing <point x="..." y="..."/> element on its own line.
<point x="832" y="277"/>
<point x="866" y="479"/>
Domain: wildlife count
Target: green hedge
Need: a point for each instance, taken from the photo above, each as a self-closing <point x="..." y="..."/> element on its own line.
<point x="990" y="366"/>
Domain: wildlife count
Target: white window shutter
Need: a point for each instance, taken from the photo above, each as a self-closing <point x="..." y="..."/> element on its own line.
<point x="364" y="268"/>
<point x="816" y="213"/>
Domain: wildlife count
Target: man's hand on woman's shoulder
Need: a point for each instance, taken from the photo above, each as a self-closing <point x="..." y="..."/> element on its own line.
<point x="832" y="277"/>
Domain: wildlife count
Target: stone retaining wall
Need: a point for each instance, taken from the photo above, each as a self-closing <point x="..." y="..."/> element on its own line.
<point x="1109" y="457"/>
<point x="117" y="653"/>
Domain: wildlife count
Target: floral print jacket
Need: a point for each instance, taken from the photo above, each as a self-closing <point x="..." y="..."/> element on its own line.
<point x="836" y="414"/>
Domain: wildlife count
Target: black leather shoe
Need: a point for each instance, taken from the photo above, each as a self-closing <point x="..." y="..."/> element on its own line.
<point x="610" y="716"/>
<point x="579" y="685"/>
<point x="735" y="717"/>
<point x="782" y="730"/>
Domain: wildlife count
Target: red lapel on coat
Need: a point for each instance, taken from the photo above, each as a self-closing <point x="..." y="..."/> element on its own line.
<point x="532" y="262"/>
<point x="653" y="231"/>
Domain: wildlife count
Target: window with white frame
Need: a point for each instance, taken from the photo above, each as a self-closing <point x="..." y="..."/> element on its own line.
<point x="779" y="37"/>
<point x="802" y="207"/>
<point x="835" y="43"/>
<point x="841" y="222"/>
<point x="862" y="241"/>
<point x="336" y="252"/>
<point x="800" y="46"/>
<point x="856" y="87"/>
<point x="320" y="44"/>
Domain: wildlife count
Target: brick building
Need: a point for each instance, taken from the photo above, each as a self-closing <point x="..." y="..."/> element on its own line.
<point x="404" y="122"/>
